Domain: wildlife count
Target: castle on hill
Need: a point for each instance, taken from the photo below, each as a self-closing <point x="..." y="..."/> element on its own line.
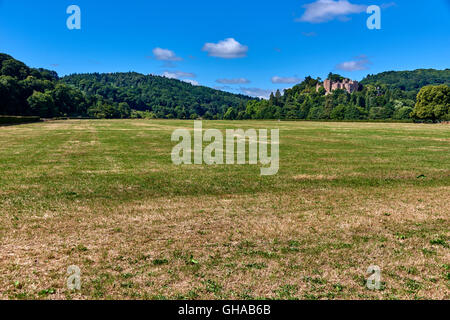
<point x="345" y="84"/>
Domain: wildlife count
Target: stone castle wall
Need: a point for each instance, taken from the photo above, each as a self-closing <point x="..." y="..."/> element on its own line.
<point x="348" y="85"/>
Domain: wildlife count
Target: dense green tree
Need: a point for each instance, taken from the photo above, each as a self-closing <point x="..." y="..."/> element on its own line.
<point x="335" y="77"/>
<point x="230" y="114"/>
<point x="316" y="113"/>
<point x="353" y="112"/>
<point x="433" y="103"/>
<point x="338" y="113"/>
<point x="10" y="96"/>
<point x="42" y="104"/>
<point x="208" y="116"/>
<point x="14" y="68"/>
<point x="378" y="113"/>
<point x="70" y="101"/>
<point x="124" y="110"/>
<point x="105" y="110"/>
<point x="402" y="113"/>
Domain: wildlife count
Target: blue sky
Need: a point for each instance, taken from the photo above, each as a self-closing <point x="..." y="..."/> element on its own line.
<point x="243" y="46"/>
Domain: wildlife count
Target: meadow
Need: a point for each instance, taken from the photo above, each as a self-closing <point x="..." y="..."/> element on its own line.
<point x="104" y="195"/>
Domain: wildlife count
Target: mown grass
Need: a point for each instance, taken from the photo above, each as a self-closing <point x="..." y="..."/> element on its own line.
<point x="104" y="195"/>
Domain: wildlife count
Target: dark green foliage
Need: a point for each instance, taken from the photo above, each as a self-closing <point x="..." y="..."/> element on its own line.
<point x="403" y="113"/>
<point x="36" y="92"/>
<point x="166" y="98"/>
<point x="335" y="77"/>
<point x="42" y="104"/>
<point x="390" y="95"/>
<point x="15" y="69"/>
<point x="230" y="114"/>
<point x="17" y="120"/>
<point x="348" y="112"/>
<point x="26" y="91"/>
<point x="381" y="98"/>
<point x="409" y="80"/>
<point x="338" y="113"/>
<point x="105" y="110"/>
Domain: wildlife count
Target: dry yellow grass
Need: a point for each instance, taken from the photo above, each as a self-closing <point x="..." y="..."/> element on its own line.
<point x="140" y="228"/>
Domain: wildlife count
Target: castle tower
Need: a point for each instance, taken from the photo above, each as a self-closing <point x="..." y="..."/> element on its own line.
<point x="327" y="85"/>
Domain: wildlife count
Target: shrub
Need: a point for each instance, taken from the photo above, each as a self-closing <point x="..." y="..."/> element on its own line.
<point x="403" y="113"/>
<point x="18" y="120"/>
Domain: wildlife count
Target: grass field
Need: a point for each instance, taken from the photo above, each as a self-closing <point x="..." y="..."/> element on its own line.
<point x="105" y="196"/>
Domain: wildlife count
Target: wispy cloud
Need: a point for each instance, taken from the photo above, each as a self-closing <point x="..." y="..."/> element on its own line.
<point x="388" y="5"/>
<point x="226" y="49"/>
<point x="165" y="55"/>
<point x="327" y="10"/>
<point x="233" y="81"/>
<point x="193" y="82"/>
<point x="178" y="74"/>
<point x="285" y="80"/>
<point x="360" y="63"/>
<point x="256" y="92"/>
<point x="222" y="88"/>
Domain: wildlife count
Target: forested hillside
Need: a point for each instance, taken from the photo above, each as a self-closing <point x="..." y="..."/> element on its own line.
<point x="28" y="91"/>
<point x="390" y="95"/>
<point x="160" y="96"/>
<point x="409" y="80"/>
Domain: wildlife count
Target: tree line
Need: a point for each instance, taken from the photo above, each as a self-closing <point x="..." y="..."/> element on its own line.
<point x="28" y="91"/>
<point x="389" y="95"/>
<point x="375" y="100"/>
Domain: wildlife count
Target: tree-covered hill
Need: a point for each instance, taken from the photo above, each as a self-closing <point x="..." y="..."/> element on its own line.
<point x="163" y="97"/>
<point x="391" y="95"/>
<point x="27" y="91"/>
<point x="409" y="80"/>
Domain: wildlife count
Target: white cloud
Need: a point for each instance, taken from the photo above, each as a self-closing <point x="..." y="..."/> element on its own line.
<point x="327" y="10"/>
<point x="256" y="92"/>
<point x="165" y="55"/>
<point x="177" y="74"/>
<point x="388" y="5"/>
<point x="233" y="81"/>
<point x="193" y="82"/>
<point x="360" y="63"/>
<point x="288" y="80"/>
<point x="227" y="49"/>
<point x="222" y="88"/>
